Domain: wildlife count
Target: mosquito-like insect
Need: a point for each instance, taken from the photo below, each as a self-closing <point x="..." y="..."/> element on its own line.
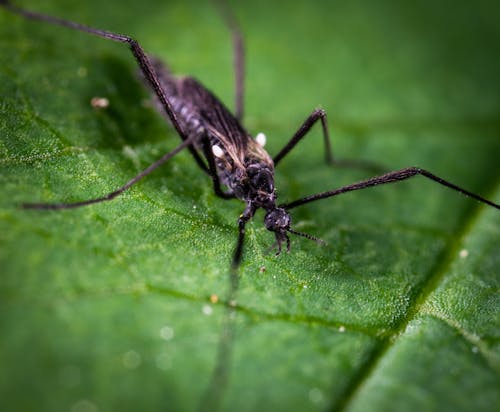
<point x="220" y="145"/>
<point x="237" y="164"/>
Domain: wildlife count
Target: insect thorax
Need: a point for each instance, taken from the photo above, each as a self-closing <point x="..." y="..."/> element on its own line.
<point x="256" y="186"/>
<point x="241" y="163"/>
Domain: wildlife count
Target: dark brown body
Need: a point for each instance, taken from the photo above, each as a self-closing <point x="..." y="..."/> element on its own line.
<point x="241" y="163"/>
<point x="221" y="146"/>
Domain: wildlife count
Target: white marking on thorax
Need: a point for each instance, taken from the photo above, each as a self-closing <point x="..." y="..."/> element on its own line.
<point x="261" y="139"/>
<point x="99" y="102"/>
<point x="217" y="151"/>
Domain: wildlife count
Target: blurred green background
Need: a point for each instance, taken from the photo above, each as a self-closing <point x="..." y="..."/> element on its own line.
<point x="108" y="307"/>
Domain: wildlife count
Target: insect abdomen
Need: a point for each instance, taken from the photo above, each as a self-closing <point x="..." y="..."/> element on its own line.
<point x="188" y="118"/>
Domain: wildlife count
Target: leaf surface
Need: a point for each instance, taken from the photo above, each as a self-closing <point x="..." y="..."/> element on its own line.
<point x="110" y="307"/>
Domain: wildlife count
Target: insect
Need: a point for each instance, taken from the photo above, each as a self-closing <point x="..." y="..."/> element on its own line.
<point x="238" y="165"/>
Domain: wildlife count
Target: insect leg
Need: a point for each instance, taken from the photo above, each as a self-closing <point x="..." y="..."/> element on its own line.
<point x="112" y="195"/>
<point x="316" y="115"/>
<point x="151" y="77"/>
<point x="166" y="79"/>
<point x="218" y="382"/>
<point x="320" y="114"/>
<point x="198" y="159"/>
<point x="238" y="57"/>
<point x="390" y="177"/>
<point x="238" y="251"/>
<point x="141" y="58"/>
<point x="212" y="170"/>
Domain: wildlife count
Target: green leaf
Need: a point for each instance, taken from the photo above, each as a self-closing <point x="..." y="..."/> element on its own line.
<point x="109" y="307"/>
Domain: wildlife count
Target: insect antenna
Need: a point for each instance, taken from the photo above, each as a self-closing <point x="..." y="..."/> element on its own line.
<point x="278" y="243"/>
<point x="307" y="236"/>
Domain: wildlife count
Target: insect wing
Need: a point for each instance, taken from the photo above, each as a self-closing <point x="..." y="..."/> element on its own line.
<point x="216" y="118"/>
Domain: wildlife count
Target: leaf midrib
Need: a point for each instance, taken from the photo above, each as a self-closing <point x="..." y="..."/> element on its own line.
<point x="437" y="274"/>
